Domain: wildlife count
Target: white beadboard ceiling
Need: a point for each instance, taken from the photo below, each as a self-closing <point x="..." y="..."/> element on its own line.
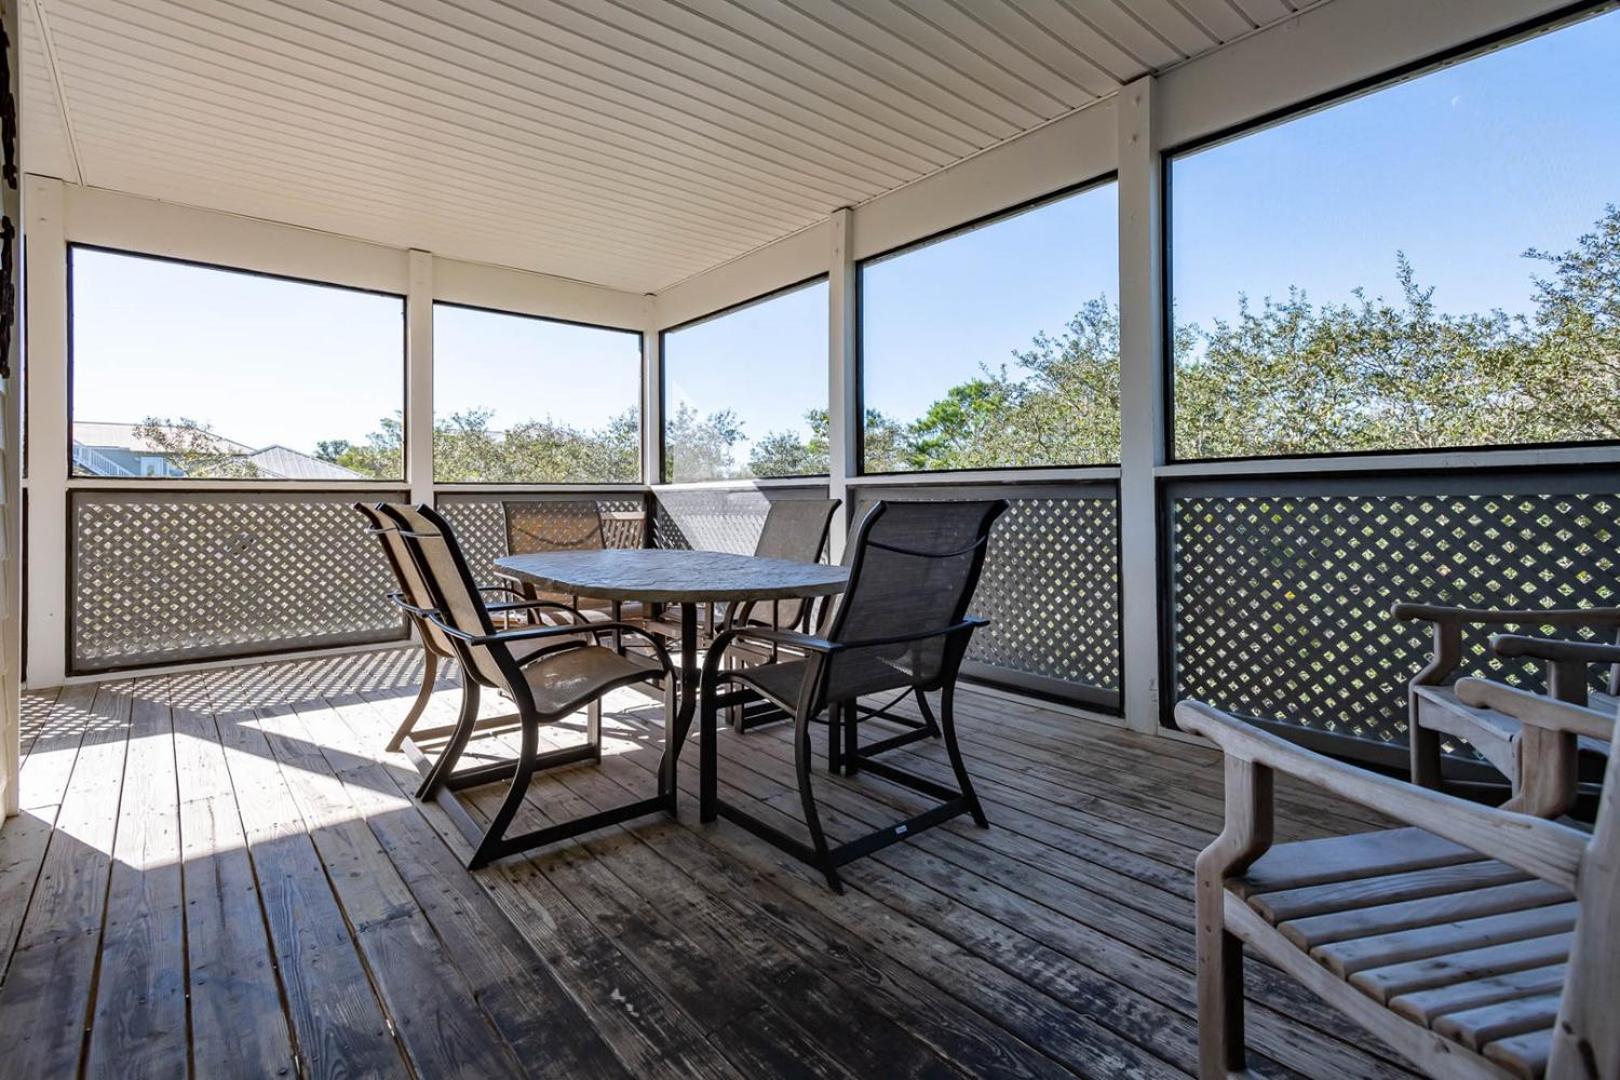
<point x="630" y="143"/>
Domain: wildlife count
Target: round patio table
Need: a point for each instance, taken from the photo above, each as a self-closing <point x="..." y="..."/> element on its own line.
<point x="686" y="579"/>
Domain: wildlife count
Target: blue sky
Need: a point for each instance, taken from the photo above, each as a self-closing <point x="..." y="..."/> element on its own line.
<point x="1462" y="169"/>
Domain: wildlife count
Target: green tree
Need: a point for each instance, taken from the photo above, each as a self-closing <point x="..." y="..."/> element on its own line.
<point x="1286" y="376"/>
<point x="700" y="448"/>
<point x="195" y="448"/>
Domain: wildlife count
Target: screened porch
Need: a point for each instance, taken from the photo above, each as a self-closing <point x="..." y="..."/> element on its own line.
<point x="1249" y="321"/>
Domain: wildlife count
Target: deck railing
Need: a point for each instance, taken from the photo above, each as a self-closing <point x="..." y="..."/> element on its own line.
<point x="1280" y="589"/>
<point x="162" y="577"/>
<point x="1050" y="587"/>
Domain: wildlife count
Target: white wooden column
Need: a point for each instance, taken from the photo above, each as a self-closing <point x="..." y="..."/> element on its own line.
<point x="11" y="480"/>
<point x="419" y="377"/>
<point x="1141" y="398"/>
<point x="652" y="399"/>
<point x="48" y="435"/>
<point x="843" y="375"/>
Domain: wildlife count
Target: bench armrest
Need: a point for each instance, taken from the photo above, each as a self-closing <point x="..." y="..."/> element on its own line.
<point x="1536" y="709"/>
<point x="1579" y="652"/>
<point x="1460" y="616"/>
<point x="1546" y="849"/>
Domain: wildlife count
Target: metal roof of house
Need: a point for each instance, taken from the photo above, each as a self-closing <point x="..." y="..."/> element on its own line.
<point x="111" y="436"/>
<point x="285" y="464"/>
<point x="274" y="461"/>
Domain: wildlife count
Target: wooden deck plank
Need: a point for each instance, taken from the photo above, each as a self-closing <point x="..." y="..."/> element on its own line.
<point x="239" y="1026"/>
<point x="46" y="998"/>
<point x="1148" y="963"/>
<point x="964" y="848"/>
<point x="138" y="1027"/>
<point x="547" y="1030"/>
<point x="648" y="1033"/>
<point x="434" y="1012"/>
<point x="783" y="988"/>
<point x="339" y="1027"/>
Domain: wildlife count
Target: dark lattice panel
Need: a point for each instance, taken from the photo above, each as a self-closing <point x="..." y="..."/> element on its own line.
<point x="173" y="577"/>
<point x="480" y="523"/>
<point x="1050" y="589"/>
<point x="1282" y="602"/>
<point x="718" y="519"/>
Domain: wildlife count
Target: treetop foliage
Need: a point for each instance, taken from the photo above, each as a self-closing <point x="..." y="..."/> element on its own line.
<point x="1285" y="376"/>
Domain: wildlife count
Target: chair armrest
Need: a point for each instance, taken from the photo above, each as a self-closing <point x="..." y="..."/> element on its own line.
<point x="1579" y="652"/>
<point x="791" y="638"/>
<point x="1545" y="849"/>
<point x="1536" y="709"/>
<point x="531" y="633"/>
<point x="399" y="601"/>
<point x="527" y="605"/>
<point x="1460" y="616"/>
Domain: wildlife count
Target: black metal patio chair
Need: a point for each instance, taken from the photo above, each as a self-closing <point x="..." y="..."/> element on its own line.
<point x="796" y="530"/>
<point x="900" y="625"/>
<point x="549" y="673"/>
<point x="437" y="649"/>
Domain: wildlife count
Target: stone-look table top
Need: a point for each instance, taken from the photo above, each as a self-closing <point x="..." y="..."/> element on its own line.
<point x="661" y="576"/>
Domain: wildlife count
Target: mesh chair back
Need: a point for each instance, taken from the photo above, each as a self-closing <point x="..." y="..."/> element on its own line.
<point x="411" y="584"/>
<point x="432" y="544"/>
<point x="795" y="529"/>
<point x="552" y="526"/>
<point x="914" y="569"/>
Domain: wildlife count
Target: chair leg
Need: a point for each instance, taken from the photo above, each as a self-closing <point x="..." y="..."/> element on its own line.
<point x="593" y="728"/>
<point x="835" y="739"/>
<point x="458" y="742"/>
<point x="430" y="675"/>
<point x="489" y="847"/>
<point x="930" y="725"/>
<point x="802" y="754"/>
<point x="947" y="715"/>
<point x="852" y="738"/>
<point x="709" y="758"/>
<point x="1424" y="744"/>
<point x="1221" y="1050"/>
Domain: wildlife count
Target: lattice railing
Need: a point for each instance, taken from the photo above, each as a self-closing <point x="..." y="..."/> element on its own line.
<point x="1050" y="588"/>
<point x="720" y="518"/>
<point x="480" y="523"/>
<point x="165" y="577"/>
<point x="1281" y="593"/>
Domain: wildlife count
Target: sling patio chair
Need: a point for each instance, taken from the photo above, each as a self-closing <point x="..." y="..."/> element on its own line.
<point x="1435" y="710"/>
<point x="541" y="525"/>
<point x="1475" y="941"/>
<point x="900" y="625"/>
<point x="567" y="669"/>
<point x="437" y="649"/>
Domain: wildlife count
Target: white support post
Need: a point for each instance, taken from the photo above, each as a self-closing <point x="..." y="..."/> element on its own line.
<point x="11" y="477"/>
<point x="1141" y="398"/>
<point x="843" y="374"/>
<point x="419" y="377"/>
<point x="49" y="438"/>
<point x="652" y="400"/>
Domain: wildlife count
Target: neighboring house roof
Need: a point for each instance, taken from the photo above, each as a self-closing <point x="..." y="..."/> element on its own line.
<point x="104" y="436"/>
<point x="285" y="464"/>
<point x="274" y="462"/>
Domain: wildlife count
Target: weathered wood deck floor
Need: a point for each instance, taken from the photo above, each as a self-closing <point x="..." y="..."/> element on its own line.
<point x="222" y="875"/>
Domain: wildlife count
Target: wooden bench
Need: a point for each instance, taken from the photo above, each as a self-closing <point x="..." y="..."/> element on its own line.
<point x="1474" y="941"/>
